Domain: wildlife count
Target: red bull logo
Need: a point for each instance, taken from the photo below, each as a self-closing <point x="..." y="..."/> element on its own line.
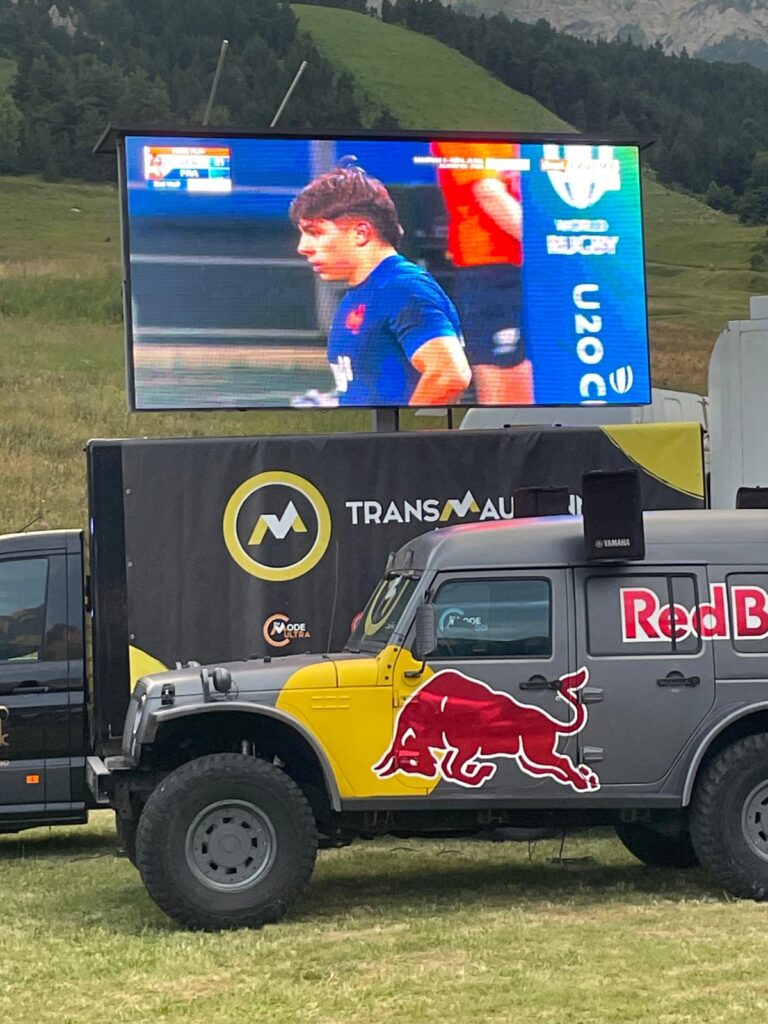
<point x="644" y="618"/>
<point x="453" y="726"/>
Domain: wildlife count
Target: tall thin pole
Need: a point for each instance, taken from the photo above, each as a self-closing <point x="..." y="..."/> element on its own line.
<point x="216" y="77"/>
<point x="288" y="95"/>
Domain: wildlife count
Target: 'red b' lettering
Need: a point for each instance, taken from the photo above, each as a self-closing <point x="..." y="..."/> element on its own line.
<point x="750" y="612"/>
<point x="645" y="619"/>
<point x="639" y="614"/>
<point x="674" y="622"/>
<point x="710" y="619"/>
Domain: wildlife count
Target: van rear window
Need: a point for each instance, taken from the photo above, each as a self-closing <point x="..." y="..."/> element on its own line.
<point x="640" y="615"/>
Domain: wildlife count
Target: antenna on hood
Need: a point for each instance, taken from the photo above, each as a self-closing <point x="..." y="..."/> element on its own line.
<point x="335" y="595"/>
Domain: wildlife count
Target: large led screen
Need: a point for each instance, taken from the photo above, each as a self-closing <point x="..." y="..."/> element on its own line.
<point x="282" y="271"/>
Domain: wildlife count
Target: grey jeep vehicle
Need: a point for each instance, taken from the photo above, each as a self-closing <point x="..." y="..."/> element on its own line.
<point x="497" y="677"/>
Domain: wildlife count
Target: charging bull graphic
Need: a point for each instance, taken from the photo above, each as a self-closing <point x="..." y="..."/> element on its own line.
<point x="470" y="722"/>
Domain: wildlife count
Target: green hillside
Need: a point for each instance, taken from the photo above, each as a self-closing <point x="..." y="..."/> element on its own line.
<point x="698" y="259"/>
<point x="62" y="374"/>
<point x="424" y="83"/>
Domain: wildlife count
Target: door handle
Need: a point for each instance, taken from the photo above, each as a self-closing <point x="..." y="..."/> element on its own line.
<point x="539" y="683"/>
<point x="678" y="679"/>
<point x="31" y="686"/>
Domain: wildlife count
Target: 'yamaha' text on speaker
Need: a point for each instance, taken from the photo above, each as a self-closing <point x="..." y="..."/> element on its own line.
<point x="612" y="507"/>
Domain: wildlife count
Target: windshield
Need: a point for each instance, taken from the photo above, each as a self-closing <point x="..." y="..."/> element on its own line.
<point x="382" y="613"/>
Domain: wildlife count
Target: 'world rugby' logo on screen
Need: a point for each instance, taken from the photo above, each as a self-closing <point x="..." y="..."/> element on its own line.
<point x="621" y="380"/>
<point x="581" y="175"/>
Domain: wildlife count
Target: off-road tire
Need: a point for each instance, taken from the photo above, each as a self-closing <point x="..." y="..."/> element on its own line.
<point x="220" y="808"/>
<point x="656" y="849"/>
<point x="729" y="818"/>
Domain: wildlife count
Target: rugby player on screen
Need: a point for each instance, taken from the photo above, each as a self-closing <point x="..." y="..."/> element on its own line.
<point x="396" y="336"/>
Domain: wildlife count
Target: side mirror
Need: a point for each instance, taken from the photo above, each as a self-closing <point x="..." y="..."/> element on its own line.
<point x="426" y="632"/>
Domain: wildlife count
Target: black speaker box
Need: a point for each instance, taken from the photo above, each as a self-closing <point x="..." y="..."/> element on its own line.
<point x="541" y="501"/>
<point x="752" y="497"/>
<point x="612" y="507"/>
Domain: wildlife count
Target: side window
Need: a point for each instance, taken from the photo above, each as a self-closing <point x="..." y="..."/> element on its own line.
<point x="748" y="605"/>
<point x="61" y="641"/>
<point x="638" y="615"/>
<point x="494" y="618"/>
<point x="23" y="584"/>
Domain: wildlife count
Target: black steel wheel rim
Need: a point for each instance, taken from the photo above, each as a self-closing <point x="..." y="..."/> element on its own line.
<point x="754" y="820"/>
<point x="230" y="845"/>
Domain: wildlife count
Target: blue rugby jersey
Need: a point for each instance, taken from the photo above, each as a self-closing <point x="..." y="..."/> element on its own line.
<point x="379" y="325"/>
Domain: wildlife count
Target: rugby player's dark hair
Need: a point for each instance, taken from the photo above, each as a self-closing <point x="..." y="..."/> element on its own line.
<point x="349" y="192"/>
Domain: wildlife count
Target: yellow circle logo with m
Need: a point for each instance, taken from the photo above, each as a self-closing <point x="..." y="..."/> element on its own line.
<point x="278" y="524"/>
<point x="386" y="597"/>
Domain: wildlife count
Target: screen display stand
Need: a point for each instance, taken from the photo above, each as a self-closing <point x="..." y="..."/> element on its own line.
<point x="386" y="420"/>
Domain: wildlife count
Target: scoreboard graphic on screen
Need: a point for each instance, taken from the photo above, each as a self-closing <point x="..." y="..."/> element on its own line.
<point x="193" y="168"/>
<point x="284" y="270"/>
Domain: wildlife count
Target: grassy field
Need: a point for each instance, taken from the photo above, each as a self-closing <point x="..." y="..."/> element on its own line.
<point x="392" y="931"/>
